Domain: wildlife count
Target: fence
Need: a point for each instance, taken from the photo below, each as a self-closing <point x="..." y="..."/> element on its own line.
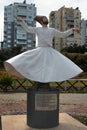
<point x="69" y="85"/>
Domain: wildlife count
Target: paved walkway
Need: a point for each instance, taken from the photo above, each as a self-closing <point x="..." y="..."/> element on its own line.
<point x="66" y="122"/>
<point x="15" y="103"/>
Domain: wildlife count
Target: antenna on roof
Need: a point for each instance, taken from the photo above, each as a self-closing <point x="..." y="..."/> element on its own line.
<point x="24" y="1"/>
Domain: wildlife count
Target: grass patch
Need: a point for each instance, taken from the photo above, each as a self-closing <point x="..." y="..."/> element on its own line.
<point x="81" y="118"/>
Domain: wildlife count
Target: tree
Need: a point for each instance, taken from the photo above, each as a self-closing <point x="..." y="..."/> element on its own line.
<point x="75" y="49"/>
<point x="9" y="53"/>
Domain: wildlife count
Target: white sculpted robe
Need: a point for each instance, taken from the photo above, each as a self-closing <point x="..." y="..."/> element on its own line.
<point x="43" y="64"/>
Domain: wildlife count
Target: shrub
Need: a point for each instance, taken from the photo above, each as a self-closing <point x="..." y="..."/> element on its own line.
<point x="5" y="81"/>
<point x="79" y="59"/>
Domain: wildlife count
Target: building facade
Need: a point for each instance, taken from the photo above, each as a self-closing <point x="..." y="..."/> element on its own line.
<point x="83" y="32"/>
<point x="64" y="19"/>
<point x="14" y="34"/>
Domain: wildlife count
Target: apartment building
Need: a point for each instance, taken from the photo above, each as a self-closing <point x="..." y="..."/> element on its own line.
<point x="64" y="19"/>
<point x="83" y="32"/>
<point x="14" y="34"/>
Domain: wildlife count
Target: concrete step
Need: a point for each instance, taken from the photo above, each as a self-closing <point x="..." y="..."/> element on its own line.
<point x="18" y="122"/>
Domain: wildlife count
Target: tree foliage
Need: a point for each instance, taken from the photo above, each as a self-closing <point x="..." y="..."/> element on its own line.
<point x="77" y="54"/>
<point x="9" y="53"/>
<point x="75" y="49"/>
<point x="74" y="53"/>
<point x="79" y="59"/>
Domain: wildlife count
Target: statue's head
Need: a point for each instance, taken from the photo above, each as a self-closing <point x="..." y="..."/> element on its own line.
<point x="41" y="19"/>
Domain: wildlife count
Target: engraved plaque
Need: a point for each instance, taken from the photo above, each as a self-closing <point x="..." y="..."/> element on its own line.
<point x="45" y="102"/>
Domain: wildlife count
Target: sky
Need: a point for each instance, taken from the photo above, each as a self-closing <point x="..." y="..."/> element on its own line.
<point x="44" y="8"/>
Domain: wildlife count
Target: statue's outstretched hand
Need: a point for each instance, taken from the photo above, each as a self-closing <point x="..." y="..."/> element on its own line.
<point x="18" y="18"/>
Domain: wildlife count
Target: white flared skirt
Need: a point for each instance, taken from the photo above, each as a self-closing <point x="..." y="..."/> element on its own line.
<point x="43" y="64"/>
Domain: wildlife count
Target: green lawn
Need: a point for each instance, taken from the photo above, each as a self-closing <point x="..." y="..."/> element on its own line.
<point x="81" y="118"/>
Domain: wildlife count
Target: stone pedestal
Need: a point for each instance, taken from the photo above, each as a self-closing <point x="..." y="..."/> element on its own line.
<point x="42" y="108"/>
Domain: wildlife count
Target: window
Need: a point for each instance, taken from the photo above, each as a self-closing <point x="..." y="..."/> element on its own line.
<point x="30" y="7"/>
<point x="29" y="45"/>
<point x="30" y="17"/>
<point x="29" y="41"/>
<point x="9" y="41"/>
<point x="9" y="36"/>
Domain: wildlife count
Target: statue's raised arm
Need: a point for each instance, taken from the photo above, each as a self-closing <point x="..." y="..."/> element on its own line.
<point x="27" y="28"/>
